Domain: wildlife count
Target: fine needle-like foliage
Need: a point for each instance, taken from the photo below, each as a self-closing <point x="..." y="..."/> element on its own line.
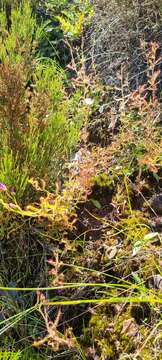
<point x="38" y="127"/>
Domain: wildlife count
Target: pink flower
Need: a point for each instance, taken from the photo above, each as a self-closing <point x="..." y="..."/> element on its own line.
<point x="12" y="206"/>
<point x="52" y="272"/>
<point x="51" y="262"/>
<point x="51" y="201"/>
<point x="3" y="187"/>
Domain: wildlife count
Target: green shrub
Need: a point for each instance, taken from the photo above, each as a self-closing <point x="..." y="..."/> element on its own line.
<point x="39" y="122"/>
<point x="27" y="354"/>
<point x="35" y="138"/>
<point x="64" y="20"/>
<point x="18" y="43"/>
<point x="5" y="355"/>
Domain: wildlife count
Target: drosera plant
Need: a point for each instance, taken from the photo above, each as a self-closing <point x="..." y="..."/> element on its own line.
<point x="135" y="149"/>
<point x="58" y="207"/>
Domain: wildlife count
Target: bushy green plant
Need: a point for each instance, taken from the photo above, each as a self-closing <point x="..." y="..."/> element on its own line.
<point x="27" y="354"/>
<point x="8" y="355"/>
<point x="37" y="136"/>
<point x="18" y="43"/>
<point x="73" y="20"/>
<point x="65" y="20"/>
<point x="39" y="122"/>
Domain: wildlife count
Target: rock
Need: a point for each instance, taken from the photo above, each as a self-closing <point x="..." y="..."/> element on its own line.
<point x="156" y="204"/>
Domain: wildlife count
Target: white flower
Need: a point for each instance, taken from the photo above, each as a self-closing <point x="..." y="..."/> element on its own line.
<point x="88" y="101"/>
<point x="77" y="157"/>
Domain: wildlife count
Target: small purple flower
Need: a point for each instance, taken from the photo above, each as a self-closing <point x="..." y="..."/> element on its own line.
<point x="3" y="187"/>
<point x="58" y="292"/>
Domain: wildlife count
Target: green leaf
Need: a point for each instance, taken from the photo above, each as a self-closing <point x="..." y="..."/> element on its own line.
<point x="96" y="203"/>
